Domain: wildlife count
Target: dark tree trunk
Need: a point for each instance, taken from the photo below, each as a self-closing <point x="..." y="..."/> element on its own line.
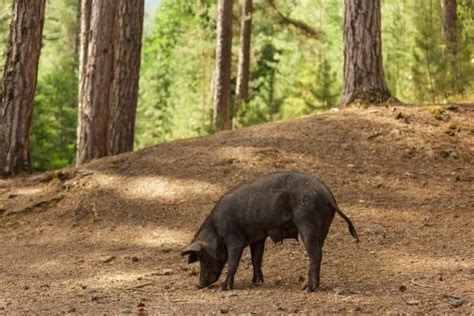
<point x="450" y="24"/>
<point x="243" y="71"/>
<point x="123" y="105"/>
<point x="364" y="79"/>
<point x="221" y="117"/>
<point x="96" y="80"/>
<point x="18" y="85"/>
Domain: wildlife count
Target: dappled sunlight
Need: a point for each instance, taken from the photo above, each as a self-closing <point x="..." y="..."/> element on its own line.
<point x="151" y="188"/>
<point x="395" y="260"/>
<point x="107" y="279"/>
<point x="161" y="236"/>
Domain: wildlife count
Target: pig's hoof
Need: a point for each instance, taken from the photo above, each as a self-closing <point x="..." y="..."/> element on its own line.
<point x="308" y="288"/>
<point x="257" y="280"/>
<point x="225" y="287"/>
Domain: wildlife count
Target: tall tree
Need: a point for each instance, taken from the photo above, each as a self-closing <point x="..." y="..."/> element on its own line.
<point x="109" y="77"/>
<point x="450" y="24"/>
<point x="18" y="84"/>
<point x="221" y="115"/>
<point x="96" y="82"/>
<point x="364" y="79"/>
<point x="123" y="103"/>
<point x="243" y="70"/>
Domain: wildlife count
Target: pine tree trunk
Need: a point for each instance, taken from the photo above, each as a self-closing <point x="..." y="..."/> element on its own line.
<point x="364" y="79"/>
<point x="450" y="24"/>
<point x="127" y="68"/>
<point x="221" y="115"/>
<point x="18" y="85"/>
<point x="96" y="81"/>
<point x="84" y="40"/>
<point x="243" y="70"/>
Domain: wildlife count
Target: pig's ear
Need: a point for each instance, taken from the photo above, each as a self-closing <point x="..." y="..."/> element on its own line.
<point x="192" y="250"/>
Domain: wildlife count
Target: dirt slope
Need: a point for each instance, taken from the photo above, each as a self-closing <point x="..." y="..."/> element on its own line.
<point x="105" y="238"/>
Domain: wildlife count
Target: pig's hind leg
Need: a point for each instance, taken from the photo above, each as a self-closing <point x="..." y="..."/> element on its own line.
<point x="313" y="229"/>
<point x="310" y="233"/>
<point x="256" y="249"/>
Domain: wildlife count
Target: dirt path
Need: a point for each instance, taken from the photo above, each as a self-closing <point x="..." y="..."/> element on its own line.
<point x="106" y="238"/>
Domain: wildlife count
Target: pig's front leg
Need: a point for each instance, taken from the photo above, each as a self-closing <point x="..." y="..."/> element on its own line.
<point x="234" y="252"/>
<point x="256" y="250"/>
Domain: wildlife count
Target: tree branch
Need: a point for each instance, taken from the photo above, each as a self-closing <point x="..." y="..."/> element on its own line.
<point x="305" y="28"/>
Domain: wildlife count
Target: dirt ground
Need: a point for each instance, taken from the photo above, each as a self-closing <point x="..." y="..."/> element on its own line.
<point x="106" y="238"/>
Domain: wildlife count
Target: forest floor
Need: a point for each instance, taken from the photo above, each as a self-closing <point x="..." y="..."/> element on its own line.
<point x="106" y="237"/>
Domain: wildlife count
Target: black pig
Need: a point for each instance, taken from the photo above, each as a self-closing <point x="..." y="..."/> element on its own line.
<point x="280" y="205"/>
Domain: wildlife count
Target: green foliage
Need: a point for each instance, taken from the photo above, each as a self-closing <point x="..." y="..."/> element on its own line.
<point x="5" y="18"/>
<point x="54" y="119"/>
<point x="175" y="73"/>
<point x="292" y="73"/>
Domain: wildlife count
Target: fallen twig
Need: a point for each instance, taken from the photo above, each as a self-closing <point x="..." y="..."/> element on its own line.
<point x="419" y="284"/>
<point x="139" y="286"/>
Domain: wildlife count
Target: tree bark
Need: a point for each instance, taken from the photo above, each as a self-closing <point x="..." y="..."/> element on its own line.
<point x="85" y="19"/>
<point x="243" y="70"/>
<point x="18" y="85"/>
<point x="221" y="117"/>
<point x="96" y="82"/>
<point x="364" y="79"/>
<point x="450" y="24"/>
<point x="123" y="105"/>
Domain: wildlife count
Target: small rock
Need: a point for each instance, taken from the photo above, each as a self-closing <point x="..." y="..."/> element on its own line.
<point x="408" y="153"/>
<point x="83" y="286"/>
<point x="44" y="286"/>
<point x="107" y="259"/>
<point x="440" y="114"/>
<point x="135" y="259"/>
<point x="229" y="294"/>
<point x="224" y="310"/>
<point x="396" y="133"/>
<point x="342" y="291"/>
<point x="167" y="271"/>
<point x="413" y="302"/>
<point x="455" y="300"/>
<point x="277" y="282"/>
<point x="396" y="114"/>
<point x="26" y="287"/>
<point x="402" y="288"/>
<point x="450" y="132"/>
<point x="374" y="134"/>
<point x="452" y="107"/>
<point x="141" y="304"/>
<point x="453" y="155"/>
<point x="374" y="230"/>
<point x="344" y="146"/>
<point x="301" y="279"/>
<point x="430" y="154"/>
<point x="350" y="166"/>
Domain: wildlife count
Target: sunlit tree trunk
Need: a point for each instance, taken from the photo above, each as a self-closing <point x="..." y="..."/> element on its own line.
<point x="18" y="84"/>
<point x="221" y="115"/>
<point x="123" y="105"/>
<point x="243" y="70"/>
<point x="450" y="24"/>
<point x="96" y="81"/>
<point x="364" y="80"/>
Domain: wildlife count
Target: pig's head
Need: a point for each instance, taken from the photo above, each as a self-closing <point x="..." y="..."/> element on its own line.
<point x="212" y="259"/>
